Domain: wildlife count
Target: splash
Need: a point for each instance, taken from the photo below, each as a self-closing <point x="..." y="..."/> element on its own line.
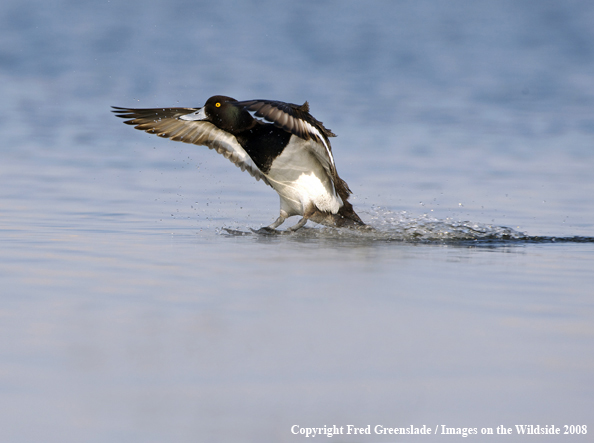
<point x="405" y="227"/>
<point x="384" y="225"/>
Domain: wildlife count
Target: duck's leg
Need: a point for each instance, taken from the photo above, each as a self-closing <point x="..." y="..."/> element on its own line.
<point x="279" y="221"/>
<point x="271" y="229"/>
<point x="310" y="210"/>
<point x="301" y="223"/>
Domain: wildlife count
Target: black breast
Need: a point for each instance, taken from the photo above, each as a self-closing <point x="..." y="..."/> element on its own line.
<point x="263" y="143"/>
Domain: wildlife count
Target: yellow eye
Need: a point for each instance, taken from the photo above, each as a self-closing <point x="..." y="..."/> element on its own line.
<point x="218" y="105"/>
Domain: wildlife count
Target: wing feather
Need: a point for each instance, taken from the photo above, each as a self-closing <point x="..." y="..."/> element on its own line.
<point x="165" y="122"/>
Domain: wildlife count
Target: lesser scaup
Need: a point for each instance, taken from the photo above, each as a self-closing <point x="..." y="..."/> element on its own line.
<point x="278" y="143"/>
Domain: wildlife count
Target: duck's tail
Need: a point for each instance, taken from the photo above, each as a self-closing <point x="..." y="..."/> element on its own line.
<point x="345" y="218"/>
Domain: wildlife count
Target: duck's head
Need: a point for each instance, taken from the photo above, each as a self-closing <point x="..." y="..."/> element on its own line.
<point x="221" y="112"/>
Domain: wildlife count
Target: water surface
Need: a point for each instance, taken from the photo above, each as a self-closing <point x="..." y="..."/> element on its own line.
<point x="129" y="313"/>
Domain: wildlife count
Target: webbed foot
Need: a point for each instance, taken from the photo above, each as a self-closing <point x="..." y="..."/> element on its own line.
<point x="266" y="230"/>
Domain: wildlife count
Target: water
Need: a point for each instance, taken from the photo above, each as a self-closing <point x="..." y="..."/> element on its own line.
<point x="129" y="313"/>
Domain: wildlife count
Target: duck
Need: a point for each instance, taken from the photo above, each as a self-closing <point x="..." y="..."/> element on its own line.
<point x="279" y="143"/>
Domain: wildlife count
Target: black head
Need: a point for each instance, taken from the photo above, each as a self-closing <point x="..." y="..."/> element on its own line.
<point x="222" y="113"/>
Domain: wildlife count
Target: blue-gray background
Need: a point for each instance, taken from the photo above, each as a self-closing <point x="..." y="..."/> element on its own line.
<point x="128" y="315"/>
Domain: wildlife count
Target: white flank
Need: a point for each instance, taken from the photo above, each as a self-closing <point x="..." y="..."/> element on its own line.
<point x="312" y="187"/>
<point x="301" y="180"/>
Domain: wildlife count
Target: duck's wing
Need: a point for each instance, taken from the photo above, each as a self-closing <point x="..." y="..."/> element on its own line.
<point x="298" y="121"/>
<point x="166" y="122"/>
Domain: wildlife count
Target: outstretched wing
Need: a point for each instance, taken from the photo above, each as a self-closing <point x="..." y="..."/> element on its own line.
<point x="298" y="121"/>
<point x="166" y="122"/>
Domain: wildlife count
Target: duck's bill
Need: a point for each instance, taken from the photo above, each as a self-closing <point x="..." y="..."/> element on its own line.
<point x="195" y="116"/>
